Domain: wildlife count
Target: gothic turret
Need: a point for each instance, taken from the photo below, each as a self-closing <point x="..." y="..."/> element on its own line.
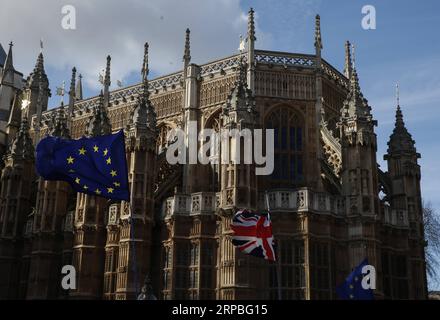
<point x="38" y="74"/>
<point x="240" y="104"/>
<point x="37" y="90"/>
<point x="8" y="68"/>
<point x="401" y="141"/>
<point x="11" y="82"/>
<point x="239" y="112"/>
<point x="136" y="222"/>
<point x="60" y="125"/>
<point x="51" y="206"/>
<point x="90" y="224"/>
<point x="143" y="116"/>
<point x="238" y="187"/>
<point x="16" y="184"/>
<point x="405" y="197"/>
<point x="99" y="123"/>
<point x="356" y="106"/>
<point x="359" y="176"/>
<point x="22" y="146"/>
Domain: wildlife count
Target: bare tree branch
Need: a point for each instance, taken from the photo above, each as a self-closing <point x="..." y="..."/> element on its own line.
<point x="432" y="235"/>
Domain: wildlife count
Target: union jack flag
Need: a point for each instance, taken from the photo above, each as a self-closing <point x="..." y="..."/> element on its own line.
<point x="253" y="234"/>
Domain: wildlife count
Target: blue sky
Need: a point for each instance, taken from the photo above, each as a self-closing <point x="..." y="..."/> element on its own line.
<point x="404" y="48"/>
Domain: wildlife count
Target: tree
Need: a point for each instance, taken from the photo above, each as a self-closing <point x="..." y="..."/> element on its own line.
<point x="432" y="236"/>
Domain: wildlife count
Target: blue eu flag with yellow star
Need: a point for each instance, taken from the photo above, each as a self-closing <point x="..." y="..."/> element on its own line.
<point x="352" y="289"/>
<point x="95" y="165"/>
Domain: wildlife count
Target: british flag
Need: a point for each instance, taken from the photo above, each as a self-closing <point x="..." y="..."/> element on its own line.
<point x="253" y="234"/>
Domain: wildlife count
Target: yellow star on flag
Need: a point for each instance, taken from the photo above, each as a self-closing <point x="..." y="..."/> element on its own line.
<point x="77" y="180"/>
<point x="82" y="151"/>
<point x="105" y="151"/>
<point x="113" y="173"/>
<point x="116" y="184"/>
<point x="85" y="187"/>
<point x="97" y="191"/>
<point x="110" y="190"/>
<point x="95" y="148"/>
<point x="109" y="160"/>
<point x="70" y="160"/>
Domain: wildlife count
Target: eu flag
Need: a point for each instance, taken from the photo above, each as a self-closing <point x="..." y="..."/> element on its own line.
<point x="95" y="165"/>
<point x="352" y="289"/>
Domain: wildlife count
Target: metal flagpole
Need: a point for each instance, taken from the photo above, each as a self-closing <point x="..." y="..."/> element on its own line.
<point x="278" y="265"/>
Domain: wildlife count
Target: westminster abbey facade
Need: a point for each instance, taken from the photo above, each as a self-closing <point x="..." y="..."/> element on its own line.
<point x="331" y="205"/>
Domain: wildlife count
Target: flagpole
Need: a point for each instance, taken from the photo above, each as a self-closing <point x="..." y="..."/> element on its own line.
<point x="278" y="265"/>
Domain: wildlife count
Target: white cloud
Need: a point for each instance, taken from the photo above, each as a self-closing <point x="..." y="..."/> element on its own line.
<point x="120" y="28"/>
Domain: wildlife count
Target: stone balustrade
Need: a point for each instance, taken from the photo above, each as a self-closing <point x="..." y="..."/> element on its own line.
<point x="289" y="200"/>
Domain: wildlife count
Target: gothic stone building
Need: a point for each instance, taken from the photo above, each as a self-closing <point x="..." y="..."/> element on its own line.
<point x="331" y="204"/>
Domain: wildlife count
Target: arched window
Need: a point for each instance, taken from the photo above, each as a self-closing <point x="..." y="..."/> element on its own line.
<point x="214" y="169"/>
<point x="288" y="147"/>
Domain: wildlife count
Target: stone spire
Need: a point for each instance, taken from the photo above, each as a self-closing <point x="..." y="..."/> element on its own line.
<point x="145" y="71"/>
<point x="22" y="147"/>
<point x="37" y="92"/>
<point x="99" y="124"/>
<point x="318" y="40"/>
<point x="79" y="90"/>
<point x="348" y="63"/>
<point x="143" y="115"/>
<point x="186" y="60"/>
<point x="8" y="65"/>
<point x="355" y="106"/>
<point x="107" y="82"/>
<point x="251" y="25"/>
<point x="38" y="74"/>
<point x="400" y="140"/>
<point x="241" y="97"/>
<point x="187" y="51"/>
<point x="59" y="123"/>
<point x="72" y="91"/>
<point x="250" y="55"/>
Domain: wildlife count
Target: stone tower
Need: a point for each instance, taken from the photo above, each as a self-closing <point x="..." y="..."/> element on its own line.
<point x="11" y="83"/>
<point x="16" y="194"/>
<point x="136" y="220"/>
<point x="406" y="201"/>
<point x="237" y="180"/>
<point x="36" y="92"/>
<point x="359" y="176"/>
<point x="47" y="235"/>
<point x="90" y="214"/>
